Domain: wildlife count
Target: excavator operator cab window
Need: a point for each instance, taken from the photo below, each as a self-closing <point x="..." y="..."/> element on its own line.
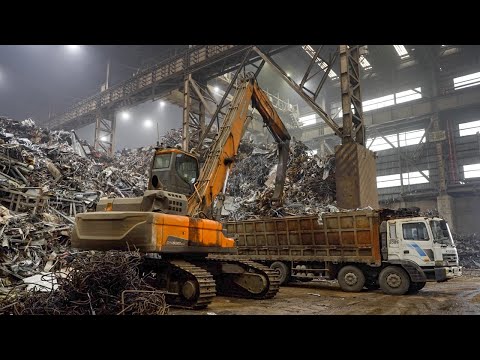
<point x="162" y="161"/>
<point x="187" y="168"/>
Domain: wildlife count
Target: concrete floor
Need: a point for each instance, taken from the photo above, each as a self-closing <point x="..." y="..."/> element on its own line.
<point x="458" y="296"/>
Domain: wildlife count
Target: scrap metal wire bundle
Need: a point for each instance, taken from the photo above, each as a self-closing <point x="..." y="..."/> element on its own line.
<point x="93" y="283"/>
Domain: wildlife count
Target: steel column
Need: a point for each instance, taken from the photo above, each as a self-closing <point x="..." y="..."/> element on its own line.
<point x="353" y="125"/>
<point x="105" y="125"/>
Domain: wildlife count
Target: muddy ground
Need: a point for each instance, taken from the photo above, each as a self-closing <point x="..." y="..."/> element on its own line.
<point x="455" y="297"/>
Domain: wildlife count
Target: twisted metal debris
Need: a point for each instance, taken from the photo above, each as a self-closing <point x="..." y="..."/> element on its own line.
<point x="91" y="283"/>
<point x="309" y="187"/>
<point x="468" y="247"/>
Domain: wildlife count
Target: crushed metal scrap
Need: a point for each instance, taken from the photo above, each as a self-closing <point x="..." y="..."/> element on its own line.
<point x="309" y="187"/>
<point x="468" y="247"/>
<point x="88" y="283"/>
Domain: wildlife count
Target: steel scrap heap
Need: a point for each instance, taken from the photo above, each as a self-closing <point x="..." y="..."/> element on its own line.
<point x="309" y="186"/>
<point x="468" y="247"/>
<point x="46" y="177"/>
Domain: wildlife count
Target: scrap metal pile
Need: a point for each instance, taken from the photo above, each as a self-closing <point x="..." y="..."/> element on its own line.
<point x="309" y="187"/>
<point x="88" y="283"/>
<point x="468" y="247"/>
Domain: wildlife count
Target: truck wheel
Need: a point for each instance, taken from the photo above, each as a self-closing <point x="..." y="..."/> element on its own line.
<point x="416" y="287"/>
<point x="351" y="278"/>
<point x="283" y="271"/>
<point x="394" y="280"/>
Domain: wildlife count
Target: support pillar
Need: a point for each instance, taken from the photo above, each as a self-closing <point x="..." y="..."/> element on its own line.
<point x="186" y="114"/>
<point x="445" y="209"/>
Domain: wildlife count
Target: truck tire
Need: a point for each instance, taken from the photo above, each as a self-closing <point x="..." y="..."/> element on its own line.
<point x="283" y="271"/>
<point x="394" y="280"/>
<point x="415" y="287"/>
<point x="351" y="279"/>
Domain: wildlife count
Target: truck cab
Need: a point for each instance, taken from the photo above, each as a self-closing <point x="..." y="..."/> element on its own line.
<point x="423" y="242"/>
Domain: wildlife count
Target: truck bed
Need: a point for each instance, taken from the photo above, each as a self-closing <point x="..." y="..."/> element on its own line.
<point x="338" y="237"/>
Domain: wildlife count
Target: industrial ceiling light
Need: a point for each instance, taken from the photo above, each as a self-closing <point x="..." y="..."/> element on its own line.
<point x="401" y="51"/>
<point x="216" y="89"/>
<point x="125" y="115"/>
<point x="104" y="138"/>
<point x="148" y="123"/>
<point x="73" y="48"/>
<point x="162" y="103"/>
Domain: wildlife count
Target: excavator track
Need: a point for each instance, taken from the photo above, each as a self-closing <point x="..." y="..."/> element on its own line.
<point x="187" y="286"/>
<point x="227" y="287"/>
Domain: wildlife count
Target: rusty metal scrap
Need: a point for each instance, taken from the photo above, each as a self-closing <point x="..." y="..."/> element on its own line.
<point x="309" y="188"/>
<point x="91" y="283"/>
<point x="468" y="247"/>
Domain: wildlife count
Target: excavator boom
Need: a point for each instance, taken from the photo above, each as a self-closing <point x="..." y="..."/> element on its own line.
<point x="221" y="155"/>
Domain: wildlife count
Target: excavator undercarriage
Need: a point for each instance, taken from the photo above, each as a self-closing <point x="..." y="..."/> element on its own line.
<point x="192" y="283"/>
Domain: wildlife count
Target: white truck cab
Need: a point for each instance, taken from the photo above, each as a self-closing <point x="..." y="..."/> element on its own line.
<point x="425" y="242"/>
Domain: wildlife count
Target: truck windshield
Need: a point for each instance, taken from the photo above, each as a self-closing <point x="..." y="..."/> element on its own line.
<point x="187" y="168"/>
<point x="162" y="161"/>
<point x="440" y="231"/>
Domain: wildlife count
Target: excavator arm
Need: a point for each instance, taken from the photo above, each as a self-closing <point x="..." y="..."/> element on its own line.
<point x="221" y="156"/>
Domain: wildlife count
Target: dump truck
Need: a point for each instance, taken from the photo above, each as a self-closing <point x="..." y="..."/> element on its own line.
<point x="395" y="250"/>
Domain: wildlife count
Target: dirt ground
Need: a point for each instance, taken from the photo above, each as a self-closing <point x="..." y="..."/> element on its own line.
<point x="455" y="297"/>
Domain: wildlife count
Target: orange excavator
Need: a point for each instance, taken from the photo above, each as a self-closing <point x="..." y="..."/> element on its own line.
<point x="186" y="251"/>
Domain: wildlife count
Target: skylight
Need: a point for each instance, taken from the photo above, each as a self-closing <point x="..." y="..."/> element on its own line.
<point x="466" y="81"/>
<point x="323" y="65"/>
<point x="364" y="63"/>
<point x="469" y="128"/>
<point x="401" y="51"/>
<point x="471" y="171"/>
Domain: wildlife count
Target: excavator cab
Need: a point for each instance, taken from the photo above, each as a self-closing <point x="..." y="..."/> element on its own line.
<point x="173" y="170"/>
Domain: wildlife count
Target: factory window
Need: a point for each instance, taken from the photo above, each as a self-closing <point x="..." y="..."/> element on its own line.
<point x="406" y="138"/>
<point x="411" y="178"/>
<point x="415" y="177"/>
<point x="466" y="81"/>
<point x="408" y="95"/>
<point x="308" y="120"/>
<point x="380" y="144"/>
<point x="412" y="137"/>
<point x="388" y="181"/>
<point x="379" y="102"/>
<point x="471" y="171"/>
<point x="469" y="128"/>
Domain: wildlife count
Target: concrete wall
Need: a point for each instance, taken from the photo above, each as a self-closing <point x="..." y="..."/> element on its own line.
<point x="467" y="214"/>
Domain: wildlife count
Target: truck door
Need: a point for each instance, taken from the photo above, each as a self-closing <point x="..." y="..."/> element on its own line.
<point x="417" y="242"/>
<point x="393" y="241"/>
